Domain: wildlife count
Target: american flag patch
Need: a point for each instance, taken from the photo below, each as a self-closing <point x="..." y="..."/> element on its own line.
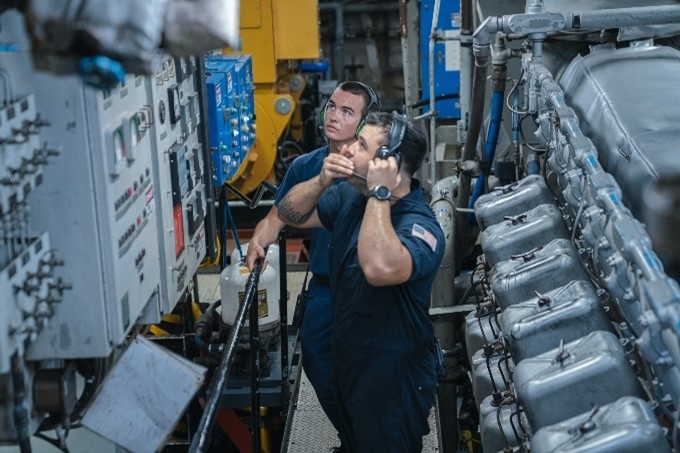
<point x="425" y="235"/>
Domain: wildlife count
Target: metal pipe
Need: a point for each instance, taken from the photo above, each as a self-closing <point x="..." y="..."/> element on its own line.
<point x="466" y="17"/>
<point x="201" y="440"/>
<point x="469" y="149"/>
<point x="339" y="44"/>
<point x="409" y="92"/>
<point x="443" y="290"/>
<point x="443" y="206"/>
<point x="625" y="17"/>
<point x="433" y="122"/>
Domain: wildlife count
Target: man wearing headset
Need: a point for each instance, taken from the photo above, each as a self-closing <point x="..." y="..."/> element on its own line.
<point x="349" y="103"/>
<point x="386" y="247"/>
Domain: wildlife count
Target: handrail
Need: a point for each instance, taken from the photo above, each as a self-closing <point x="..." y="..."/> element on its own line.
<point x="201" y="440"/>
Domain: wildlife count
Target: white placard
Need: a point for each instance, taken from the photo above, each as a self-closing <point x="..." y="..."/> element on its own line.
<point x="452" y="51"/>
<point x="143" y="397"/>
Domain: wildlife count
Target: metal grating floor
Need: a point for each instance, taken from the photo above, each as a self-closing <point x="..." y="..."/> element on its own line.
<point x="312" y="432"/>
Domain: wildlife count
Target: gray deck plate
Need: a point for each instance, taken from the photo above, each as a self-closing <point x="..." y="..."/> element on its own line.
<point x="312" y="432"/>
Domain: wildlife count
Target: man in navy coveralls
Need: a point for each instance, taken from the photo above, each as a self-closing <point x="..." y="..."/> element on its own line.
<point x="386" y="247"/>
<point x="349" y="103"/>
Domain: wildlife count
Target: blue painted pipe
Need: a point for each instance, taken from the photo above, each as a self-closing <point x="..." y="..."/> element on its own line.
<point x="489" y="145"/>
<point x="316" y="66"/>
<point x="533" y="168"/>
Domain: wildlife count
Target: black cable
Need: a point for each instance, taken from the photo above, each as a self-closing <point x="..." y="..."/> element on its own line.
<point x="521" y="135"/>
<point x="495" y="318"/>
<point x="283" y="161"/>
<point x="468" y="292"/>
<point x="492" y="315"/>
<point x="500" y="369"/>
<point x="514" y="429"/>
<point x="481" y="326"/>
<point x="488" y="367"/>
<point x="437" y="98"/>
<point x="519" y="421"/>
<point x="500" y="424"/>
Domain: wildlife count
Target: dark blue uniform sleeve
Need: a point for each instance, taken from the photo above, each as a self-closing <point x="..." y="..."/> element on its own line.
<point x="329" y="205"/>
<point x="424" y="240"/>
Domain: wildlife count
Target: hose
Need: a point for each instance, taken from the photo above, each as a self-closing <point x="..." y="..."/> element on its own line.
<point x="472" y="136"/>
<point x="285" y="159"/>
<point x="203" y="329"/>
<point x="498" y="76"/>
<point x="489" y="148"/>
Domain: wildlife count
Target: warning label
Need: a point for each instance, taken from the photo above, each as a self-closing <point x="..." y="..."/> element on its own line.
<point x="262" y="305"/>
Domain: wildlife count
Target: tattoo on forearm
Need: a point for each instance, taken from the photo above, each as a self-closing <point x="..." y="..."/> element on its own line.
<point x="292" y="215"/>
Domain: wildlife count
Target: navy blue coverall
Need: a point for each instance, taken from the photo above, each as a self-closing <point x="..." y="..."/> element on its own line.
<point x="384" y="366"/>
<point x="315" y="332"/>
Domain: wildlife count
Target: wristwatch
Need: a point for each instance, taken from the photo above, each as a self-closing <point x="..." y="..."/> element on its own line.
<point x="382" y="193"/>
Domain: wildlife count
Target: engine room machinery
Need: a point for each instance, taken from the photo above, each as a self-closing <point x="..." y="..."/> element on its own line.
<point x="559" y="209"/>
<point x="551" y="169"/>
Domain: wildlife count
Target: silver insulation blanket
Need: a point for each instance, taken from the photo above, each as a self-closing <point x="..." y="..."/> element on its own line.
<point x="627" y="101"/>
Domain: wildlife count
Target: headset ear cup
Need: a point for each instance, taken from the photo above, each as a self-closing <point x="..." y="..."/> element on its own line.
<point x="397" y="157"/>
<point x="360" y="126"/>
<point x="383" y="152"/>
<point x="322" y="113"/>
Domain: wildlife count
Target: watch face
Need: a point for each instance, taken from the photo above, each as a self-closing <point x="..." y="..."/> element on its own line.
<point x="382" y="193"/>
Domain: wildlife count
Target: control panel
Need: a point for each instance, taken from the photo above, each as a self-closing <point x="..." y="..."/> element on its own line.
<point x="179" y="169"/>
<point x="98" y="203"/>
<point x="231" y="113"/>
<point x="29" y="287"/>
<point x="103" y="196"/>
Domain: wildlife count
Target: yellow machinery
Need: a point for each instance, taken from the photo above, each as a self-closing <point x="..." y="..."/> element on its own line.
<point x="277" y="33"/>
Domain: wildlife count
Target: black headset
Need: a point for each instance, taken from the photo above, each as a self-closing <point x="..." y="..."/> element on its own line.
<point x="397" y="132"/>
<point x="373" y="102"/>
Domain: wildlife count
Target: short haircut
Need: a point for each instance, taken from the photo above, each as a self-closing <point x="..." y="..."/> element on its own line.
<point x="413" y="146"/>
<point x="371" y="100"/>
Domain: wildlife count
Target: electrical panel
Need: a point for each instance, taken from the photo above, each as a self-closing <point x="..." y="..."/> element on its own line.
<point x="102" y="204"/>
<point x="103" y="201"/>
<point x="179" y="170"/>
<point x="29" y="287"/>
<point x="231" y="113"/>
<point x="244" y="101"/>
<point x="446" y="57"/>
<point x="98" y="202"/>
<point x="222" y="125"/>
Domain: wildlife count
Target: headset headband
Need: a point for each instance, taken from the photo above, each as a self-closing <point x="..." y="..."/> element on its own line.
<point x="397" y="131"/>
